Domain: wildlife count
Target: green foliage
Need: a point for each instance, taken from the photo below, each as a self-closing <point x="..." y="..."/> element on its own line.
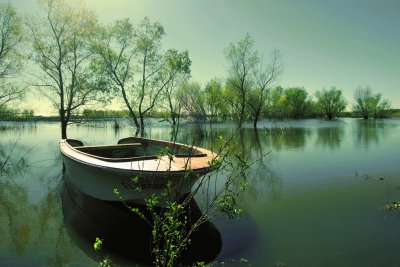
<point x="292" y="103"/>
<point x="249" y="78"/>
<point x="215" y="105"/>
<point x="264" y="74"/>
<point x="297" y="102"/>
<point x="192" y="100"/>
<point x="395" y="113"/>
<point x="96" y="114"/>
<point x="11" y="34"/>
<point x="132" y="60"/>
<point x="201" y="264"/>
<point x="16" y="114"/>
<point x="330" y="102"/>
<point x="105" y="261"/>
<point x="169" y="214"/>
<point x="97" y="244"/>
<point x="242" y="58"/>
<point x="60" y="40"/>
<point x="275" y="106"/>
<point x="370" y="105"/>
<point x="393" y="206"/>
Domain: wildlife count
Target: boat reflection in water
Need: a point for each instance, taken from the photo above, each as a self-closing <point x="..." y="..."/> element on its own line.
<point x="125" y="236"/>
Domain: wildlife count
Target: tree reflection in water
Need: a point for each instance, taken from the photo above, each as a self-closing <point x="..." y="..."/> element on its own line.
<point x="126" y="237"/>
<point x="329" y="137"/>
<point x="367" y="132"/>
<point x="31" y="222"/>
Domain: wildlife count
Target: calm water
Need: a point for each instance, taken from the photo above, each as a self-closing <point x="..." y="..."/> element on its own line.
<point x="317" y="199"/>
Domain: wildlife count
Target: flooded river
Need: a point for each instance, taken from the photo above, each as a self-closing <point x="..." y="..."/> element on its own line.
<point x="319" y="197"/>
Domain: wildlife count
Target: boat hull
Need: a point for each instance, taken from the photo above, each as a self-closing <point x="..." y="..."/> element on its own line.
<point x="132" y="185"/>
<point x="133" y="178"/>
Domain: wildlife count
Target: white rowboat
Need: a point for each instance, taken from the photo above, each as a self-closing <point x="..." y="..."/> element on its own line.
<point x="136" y="167"/>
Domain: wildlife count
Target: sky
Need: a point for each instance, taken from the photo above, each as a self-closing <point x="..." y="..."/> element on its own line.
<point x="324" y="43"/>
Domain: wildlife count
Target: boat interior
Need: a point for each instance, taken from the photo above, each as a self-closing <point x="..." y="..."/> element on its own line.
<point x="131" y="148"/>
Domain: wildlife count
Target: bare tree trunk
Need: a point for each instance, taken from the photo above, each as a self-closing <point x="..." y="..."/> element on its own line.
<point x="256" y="116"/>
<point x="63" y="124"/>
<point x="141" y="125"/>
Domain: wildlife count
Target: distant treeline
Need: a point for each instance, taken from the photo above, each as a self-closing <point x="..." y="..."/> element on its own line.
<point x="209" y="104"/>
<point x="93" y="63"/>
<point x="16" y="114"/>
<point x="312" y="113"/>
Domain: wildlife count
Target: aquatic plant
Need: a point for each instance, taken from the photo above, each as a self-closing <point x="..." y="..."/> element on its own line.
<point x="8" y="160"/>
<point x="105" y="261"/>
<point x="393" y="207"/>
<point x="171" y="216"/>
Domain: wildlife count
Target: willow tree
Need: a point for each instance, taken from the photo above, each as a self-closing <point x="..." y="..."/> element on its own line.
<point x="330" y="102"/>
<point x="61" y="39"/>
<point x="133" y="60"/>
<point x="10" y="57"/>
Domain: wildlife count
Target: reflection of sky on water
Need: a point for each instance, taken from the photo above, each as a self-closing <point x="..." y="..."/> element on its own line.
<point x="310" y="163"/>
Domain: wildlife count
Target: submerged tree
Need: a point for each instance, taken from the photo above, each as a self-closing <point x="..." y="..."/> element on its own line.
<point x="297" y="102"/>
<point x="249" y="78"/>
<point x="381" y="108"/>
<point x="178" y="68"/>
<point x="331" y="102"/>
<point x="133" y="61"/>
<point x="60" y="49"/>
<point x="362" y="96"/>
<point x="10" y="57"/>
<point x="215" y="105"/>
<point x="192" y="100"/>
<point x="242" y="59"/>
<point x="275" y="103"/>
<point x="369" y="104"/>
<point x="264" y="75"/>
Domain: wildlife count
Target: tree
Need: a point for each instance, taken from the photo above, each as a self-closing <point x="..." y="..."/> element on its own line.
<point x="330" y="102"/>
<point x="275" y="103"/>
<point x="10" y="57"/>
<point x="264" y="75"/>
<point x="192" y="100"/>
<point x="242" y="59"/>
<point x="297" y="102"/>
<point x="215" y="105"/>
<point x="60" y="49"/>
<point x="362" y="96"/>
<point x="383" y="109"/>
<point x="133" y="61"/>
<point x="178" y="68"/>
<point x="369" y="104"/>
<point x="115" y="51"/>
<point x="249" y="78"/>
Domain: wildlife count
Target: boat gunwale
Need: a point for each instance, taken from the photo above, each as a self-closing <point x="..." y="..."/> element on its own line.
<point x="128" y="159"/>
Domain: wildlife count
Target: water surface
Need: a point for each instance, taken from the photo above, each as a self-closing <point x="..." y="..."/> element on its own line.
<point x="317" y="199"/>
